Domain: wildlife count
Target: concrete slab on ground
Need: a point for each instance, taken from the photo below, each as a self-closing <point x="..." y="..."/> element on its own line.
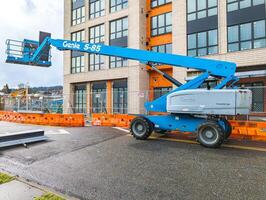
<point x="7" y="127"/>
<point x="16" y="190"/>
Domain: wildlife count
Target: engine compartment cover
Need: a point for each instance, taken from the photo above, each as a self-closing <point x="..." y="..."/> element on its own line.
<point x="210" y="102"/>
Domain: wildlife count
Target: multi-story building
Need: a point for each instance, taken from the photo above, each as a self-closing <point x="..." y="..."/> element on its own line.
<point x="231" y="30"/>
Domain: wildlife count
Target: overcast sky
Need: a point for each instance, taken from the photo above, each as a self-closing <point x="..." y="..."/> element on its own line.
<point x="21" y="19"/>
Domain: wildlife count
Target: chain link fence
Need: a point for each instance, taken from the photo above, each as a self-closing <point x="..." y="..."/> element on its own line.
<point x="123" y="101"/>
<point x="116" y="101"/>
<point x="32" y="104"/>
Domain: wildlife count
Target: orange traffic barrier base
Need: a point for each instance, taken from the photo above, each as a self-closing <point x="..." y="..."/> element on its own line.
<point x="250" y="130"/>
<point x="115" y="120"/>
<point x="66" y="120"/>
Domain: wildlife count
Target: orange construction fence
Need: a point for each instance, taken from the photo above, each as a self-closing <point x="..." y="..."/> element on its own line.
<point x="241" y="129"/>
<point x="66" y="120"/>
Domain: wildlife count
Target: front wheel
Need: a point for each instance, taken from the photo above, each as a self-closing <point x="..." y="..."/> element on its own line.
<point x="210" y="134"/>
<point x="227" y="128"/>
<point x="141" y="128"/>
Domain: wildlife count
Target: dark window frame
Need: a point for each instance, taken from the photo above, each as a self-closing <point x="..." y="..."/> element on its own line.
<point x="115" y="7"/>
<point x="96" y="13"/>
<point x="118" y="92"/>
<point x="79" y="66"/>
<point x="164" y="46"/>
<point x="77" y="58"/>
<point x="157" y="3"/>
<point x="93" y="58"/>
<point x="238" y="5"/>
<point x="81" y="33"/>
<point x="124" y="30"/>
<point x="78" y="20"/>
<point x="97" y="105"/>
<point x="114" y="61"/>
<point x="207" y="43"/>
<point x="252" y="40"/>
<point x="165" y="26"/>
<point x="197" y="11"/>
<point x="160" y="92"/>
<point x="80" y="106"/>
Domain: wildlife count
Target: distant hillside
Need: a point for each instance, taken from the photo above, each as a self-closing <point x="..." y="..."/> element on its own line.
<point x="46" y="90"/>
<point x="56" y="90"/>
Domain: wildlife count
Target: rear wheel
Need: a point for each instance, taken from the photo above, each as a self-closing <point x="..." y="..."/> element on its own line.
<point x="210" y="134"/>
<point x="141" y="128"/>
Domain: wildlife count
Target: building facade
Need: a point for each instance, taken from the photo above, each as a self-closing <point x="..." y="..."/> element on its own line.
<point x="231" y="30"/>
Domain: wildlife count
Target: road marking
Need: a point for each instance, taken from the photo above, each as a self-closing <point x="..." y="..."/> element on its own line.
<point x="173" y="140"/>
<point x="121" y="129"/>
<point x="57" y="132"/>
<point x="224" y="145"/>
<point x="245" y="147"/>
<point x="194" y="142"/>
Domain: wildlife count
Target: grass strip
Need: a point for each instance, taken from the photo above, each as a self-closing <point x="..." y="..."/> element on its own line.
<point x="49" y="196"/>
<point x="4" y="178"/>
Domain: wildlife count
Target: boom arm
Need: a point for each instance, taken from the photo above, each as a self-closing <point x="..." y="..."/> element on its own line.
<point x="213" y="67"/>
<point x="32" y="54"/>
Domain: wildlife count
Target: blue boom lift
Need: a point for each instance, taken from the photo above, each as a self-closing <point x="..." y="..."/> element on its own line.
<point x="189" y="108"/>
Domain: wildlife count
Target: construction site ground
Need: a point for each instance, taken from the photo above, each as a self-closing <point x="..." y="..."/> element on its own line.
<point x="107" y="163"/>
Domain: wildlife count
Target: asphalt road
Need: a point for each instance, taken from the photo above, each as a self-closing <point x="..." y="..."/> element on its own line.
<point x="105" y="163"/>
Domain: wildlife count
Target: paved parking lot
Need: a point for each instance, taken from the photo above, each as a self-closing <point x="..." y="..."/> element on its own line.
<point x="106" y="163"/>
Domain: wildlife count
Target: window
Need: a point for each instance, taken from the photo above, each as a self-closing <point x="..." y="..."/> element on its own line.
<point x="155" y="3"/>
<point x="116" y="5"/>
<point x="78" y="36"/>
<point x="78" y="15"/>
<point x="165" y="48"/>
<point x="77" y="58"/>
<point x="80" y="101"/>
<point x="97" y="34"/>
<point x="118" y="31"/>
<point x="198" y="9"/>
<point x="99" y="97"/>
<point x="77" y="64"/>
<point x="160" y="91"/>
<point x="116" y="62"/>
<point x="119" y="28"/>
<point x="233" y="5"/>
<point x="247" y="36"/>
<point x="161" y="24"/>
<point x="120" y="96"/>
<point x="203" y="43"/>
<point x="97" y="8"/>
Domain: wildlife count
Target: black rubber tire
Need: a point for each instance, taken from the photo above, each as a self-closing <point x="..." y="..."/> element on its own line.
<point x="215" y="129"/>
<point x="160" y="131"/>
<point x="145" y="124"/>
<point x="227" y="132"/>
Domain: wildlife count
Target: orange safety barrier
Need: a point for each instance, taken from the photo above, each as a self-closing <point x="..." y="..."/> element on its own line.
<point x="249" y="129"/>
<point x="240" y="129"/>
<point x="119" y="120"/>
<point x="66" y="120"/>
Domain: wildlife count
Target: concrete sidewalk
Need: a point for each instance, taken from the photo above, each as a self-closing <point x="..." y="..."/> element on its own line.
<point x="16" y="190"/>
<point x="19" y="189"/>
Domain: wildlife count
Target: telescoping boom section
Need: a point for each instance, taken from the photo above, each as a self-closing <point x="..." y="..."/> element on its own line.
<point x="201" y="111"/>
